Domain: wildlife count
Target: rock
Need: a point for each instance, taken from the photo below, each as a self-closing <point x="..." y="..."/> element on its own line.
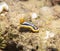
<point x="55" y="2"/>
<point x="49" y="34"/>
<point x="3" y="6"/>
<point x="51" y="49"/>
<point x="46" y="11"/>
<point x="23" y="0"/>
<point x="34" y="15"/>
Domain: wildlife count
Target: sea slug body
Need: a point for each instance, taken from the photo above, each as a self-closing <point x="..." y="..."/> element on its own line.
<point x="26" y="26"/>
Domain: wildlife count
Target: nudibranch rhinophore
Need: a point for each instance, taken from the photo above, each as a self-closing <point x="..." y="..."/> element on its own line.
<point x="26" y="26"/>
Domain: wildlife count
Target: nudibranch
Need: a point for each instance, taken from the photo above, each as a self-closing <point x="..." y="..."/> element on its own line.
<point x="26" y="26"/>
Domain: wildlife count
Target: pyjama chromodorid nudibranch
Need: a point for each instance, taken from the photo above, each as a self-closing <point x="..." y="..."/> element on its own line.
<point x="26" y="26"/>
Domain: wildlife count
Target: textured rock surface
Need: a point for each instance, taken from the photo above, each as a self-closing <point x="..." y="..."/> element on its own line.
<point x="28" y="41"/>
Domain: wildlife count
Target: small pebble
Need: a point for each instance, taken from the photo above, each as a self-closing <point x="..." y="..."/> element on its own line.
<point x="34" y="15"/>
<point x="49" y="34"/>
<point x="3" y="7"/>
